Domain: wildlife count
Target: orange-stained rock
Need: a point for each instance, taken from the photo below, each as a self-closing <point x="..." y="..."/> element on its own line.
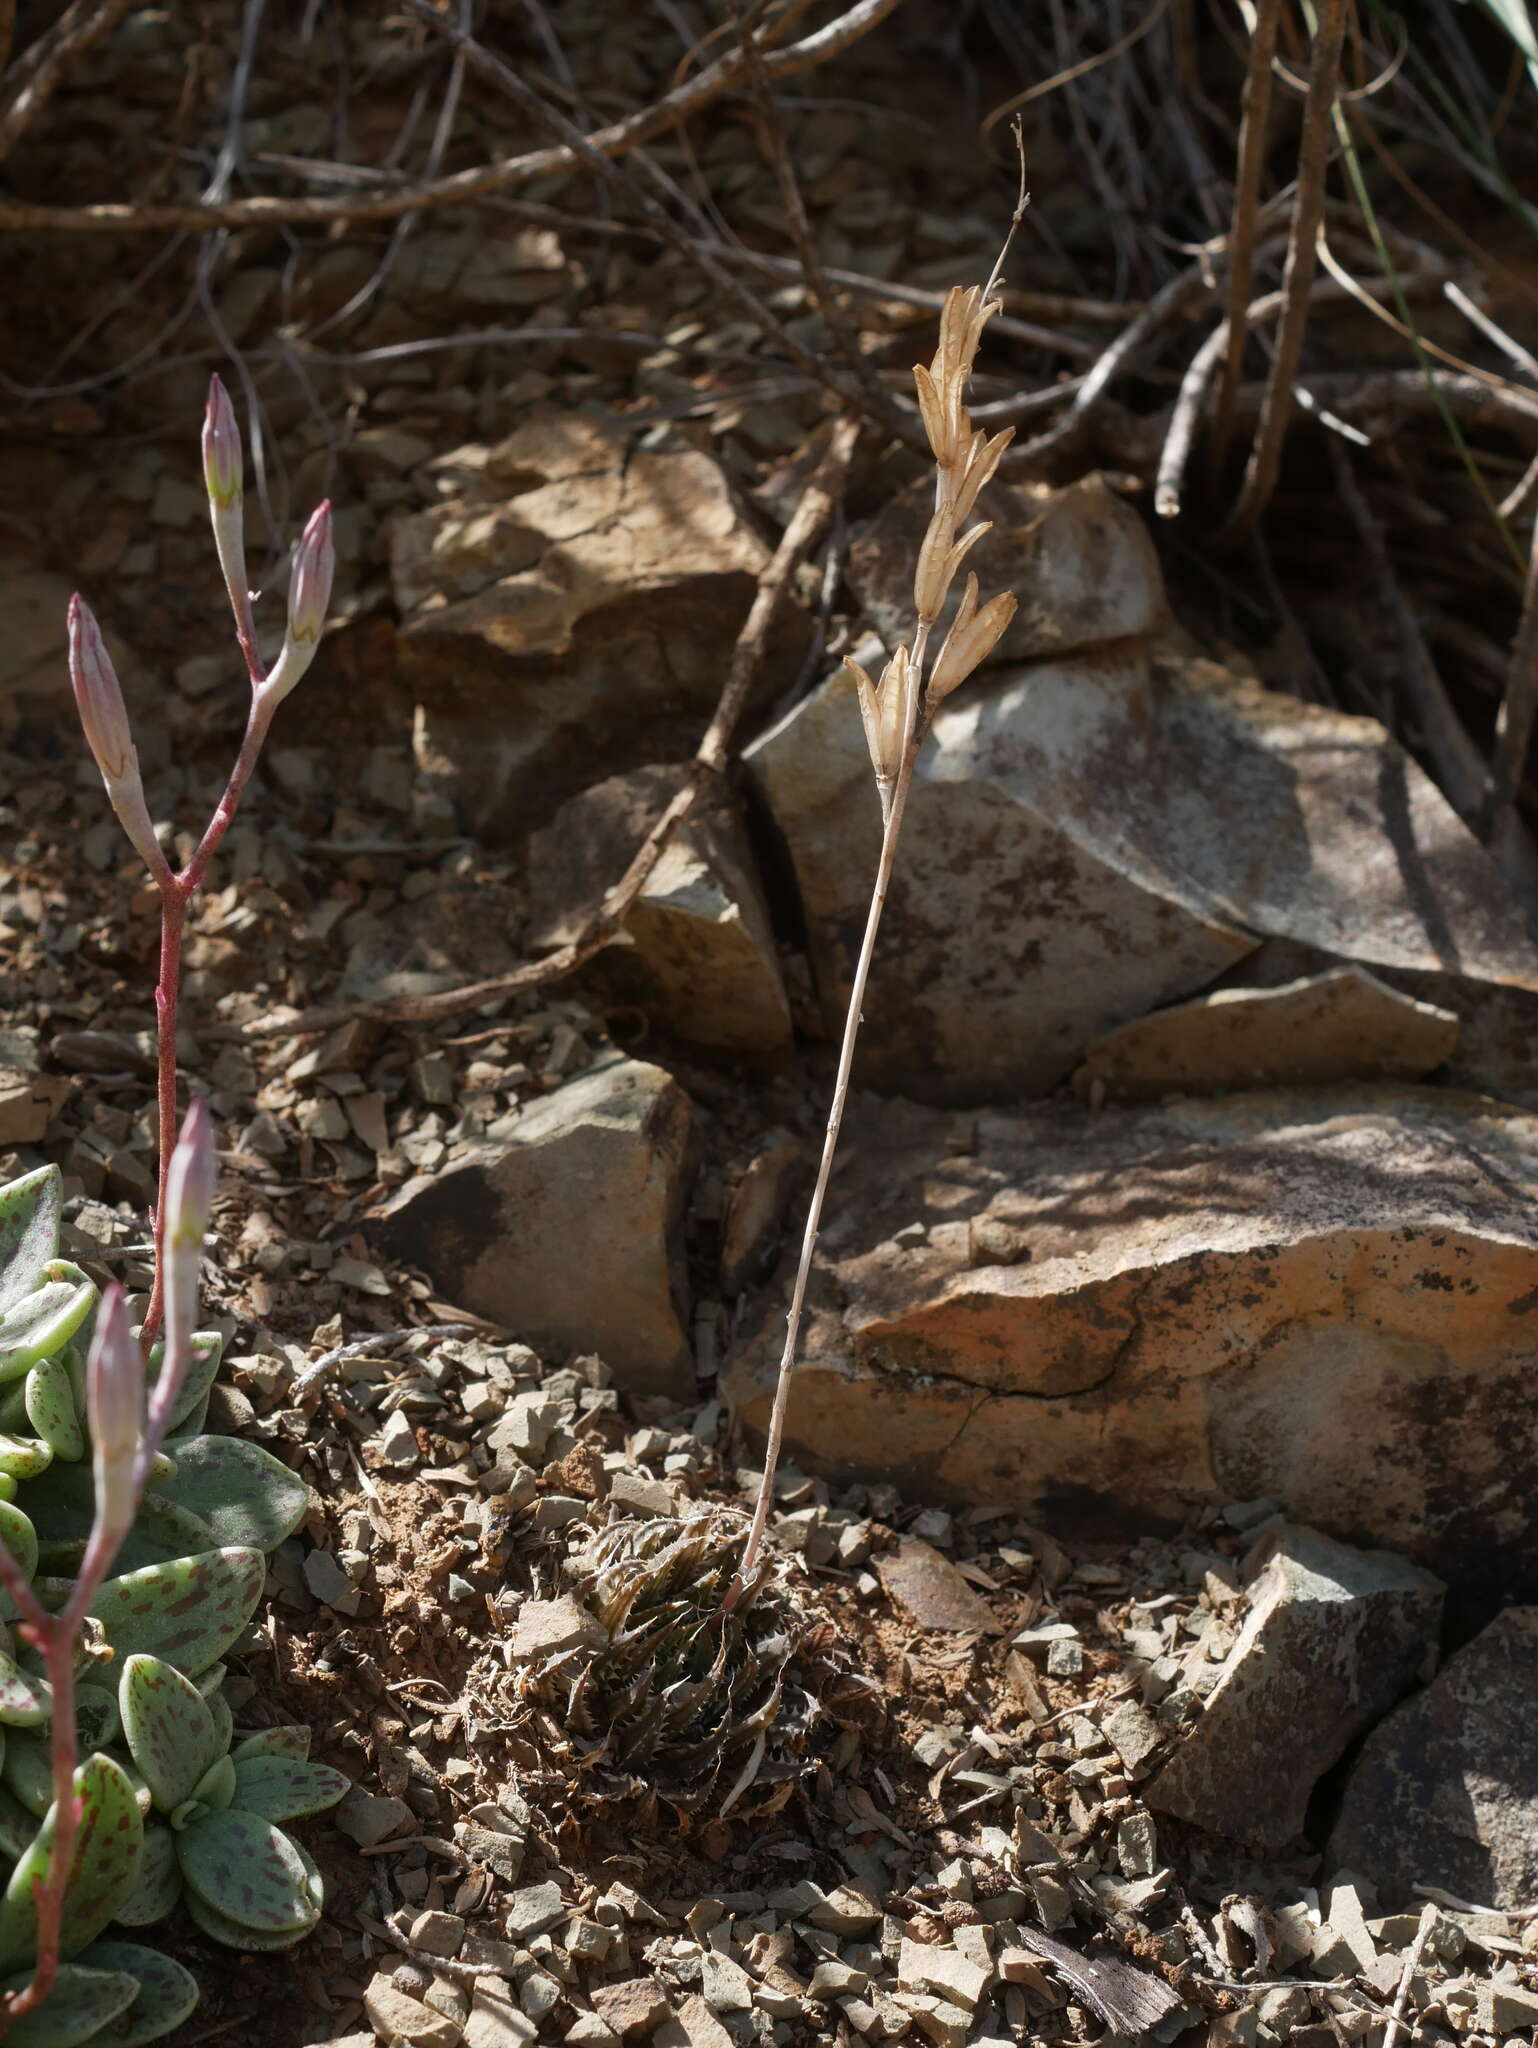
<point x="1326" y="1296"/>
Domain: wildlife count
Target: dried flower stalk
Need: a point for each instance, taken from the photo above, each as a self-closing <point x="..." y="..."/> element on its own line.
<point x="897" y="711"/>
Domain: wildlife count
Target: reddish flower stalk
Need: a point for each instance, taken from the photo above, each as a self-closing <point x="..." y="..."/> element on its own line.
<point x="105" y="720"/>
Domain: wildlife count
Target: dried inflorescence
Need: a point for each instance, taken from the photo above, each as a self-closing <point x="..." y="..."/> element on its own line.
<point x="675" y="1701"/>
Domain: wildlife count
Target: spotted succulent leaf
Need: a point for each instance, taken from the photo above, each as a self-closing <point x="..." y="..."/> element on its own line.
<point x="103" y="1870"/>
<point x="159" y="1884"/>
<point x="82" y="2002"/>
<point x="52" y="1409"/>
<point x="63" y="1501"/>
<point x="234" y="1934"/>
<point x="215" y="1790"/>
<point x="27" y="1772"/>
<point x="17" y="1826"/>
<point x="293" y="1739"/>
<point x="167" y="1994"/>
<point x="44" y="1320"/>
<point x="25" y="1701"/>
<point x="247" y="1871"/>
<point x="169" y="1729"/>
<point x="23" y="1457"/>
<point x="187" y="1610"/>
<point x="284" y="1787"/>
<point x="239" y="1490"/>
<point x="207" y="1346"/>
<point x="96" y="1716"/>
<point x="30" y="1212"/>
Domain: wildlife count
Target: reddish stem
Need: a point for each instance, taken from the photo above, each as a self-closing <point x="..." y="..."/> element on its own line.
<point x="176" y="892"/>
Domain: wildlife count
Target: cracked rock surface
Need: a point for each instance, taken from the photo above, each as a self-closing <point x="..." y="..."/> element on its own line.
<point x="1327" y="1297"/>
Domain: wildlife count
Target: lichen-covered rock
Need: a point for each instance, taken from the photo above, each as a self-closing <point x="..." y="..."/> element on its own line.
<point x="1328" y="1297"/>
<point x="698" y="954"/>
<point x="1445" y="1792"/>
<point x="1098" y="834"/>
<point x="569" y="609"/>
<point x="1329" y="1638"/>
<point x="564" y="1232"/>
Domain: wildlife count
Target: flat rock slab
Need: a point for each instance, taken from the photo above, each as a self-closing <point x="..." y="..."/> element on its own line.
<point x="1344" y="1025"/>
<point x="564" y="1232"/>
<point x="698" y="952"/>
<point x="1329" y="1639"/>
<point x="568" y="609"/>
<point x="1329" y="1298"/>
<point x="1445" y="1792"/>
<point x="929" y="1588"/>
<point x="1101" y="833"/>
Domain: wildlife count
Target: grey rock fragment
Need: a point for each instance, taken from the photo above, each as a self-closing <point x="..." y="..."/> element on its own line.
<point x="1330" y="1639"/>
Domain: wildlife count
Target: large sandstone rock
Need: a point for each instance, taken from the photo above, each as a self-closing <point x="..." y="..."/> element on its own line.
<point x="564" y="1232"/>
<point x="1329" y="1639"/>
<point x="1093" y="836"/>
<point x="698" y="953"/>
<point x="1445" y="1792"/>
<point x="1327" y="1297"/>
<point x="1343" y="1025"/>
<point x="568" y="609"/>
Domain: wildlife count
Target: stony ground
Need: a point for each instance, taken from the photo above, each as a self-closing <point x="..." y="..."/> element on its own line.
<point x="498" y="1280"/>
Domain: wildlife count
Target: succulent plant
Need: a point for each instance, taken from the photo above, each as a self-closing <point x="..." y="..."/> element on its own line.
<point x="673" y="1698"/>
<point x="169" y="1812"/>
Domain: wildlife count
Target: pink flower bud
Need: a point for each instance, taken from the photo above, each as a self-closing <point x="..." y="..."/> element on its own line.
<point x="115" y="1409"/>
<point x="190" y="1185"/>
<point x="98" y="695"/>
<point x="309" y="594"/>
<point x="104" y="717"/>
<point x="221" y="448"/>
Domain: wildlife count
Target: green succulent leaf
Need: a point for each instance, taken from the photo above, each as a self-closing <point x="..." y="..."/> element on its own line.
<point x="103" y="1870"/>
<point x="27" y="1772"/>
<point x="25" y="1702"/>
<point x="168" y="1994"/>
<point x="169" y="1729"/>
<point x="201" y="1371"/>
<point x="159" y="1883"/>
<point x="80" y="2004"/>
<point x="24" y="1457"/>
<point x="7" y="1486"/>
<point x="19" y="1536"/>
<point x="215" y="1790"/>
<point x="63" y="1501"/>
<point x="187" y="1611"/>
<point x="293" y="1739"/>
<point x="240" y="1490"/>
<point x="17" y="1826"/>
<point x="51" y="1408"/>
<point x="235" y="1935"/>
<point x="247" y="1871"/>
<point x="44" y="1320"/>
<point x="284" y="1788"/>
<point x="192" y="1425"/>
<point x="30" y="1213"/>
<point x="224" y="1721"/>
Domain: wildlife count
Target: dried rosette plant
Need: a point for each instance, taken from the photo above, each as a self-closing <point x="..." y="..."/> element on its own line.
<point x="665" y="1700"/>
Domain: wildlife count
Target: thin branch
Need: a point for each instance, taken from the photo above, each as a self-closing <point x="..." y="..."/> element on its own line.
<point x="807" y="524"/>
<point x="847" y="390"/>
<point x="39" y="70"/>
<point x="477" y="183"/>
<point x="1411" y="1964"/>
<point x="1308" y="211"/>
<point x="1241" y="236"/>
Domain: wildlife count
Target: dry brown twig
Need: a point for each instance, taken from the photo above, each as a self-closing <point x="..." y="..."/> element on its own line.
<point x="1307" y="213"/>
<point x="848" y="390"/>
<point x="38" y="71"/>
<point x="480" y="182"/>
<point x="807" y="524"/>
<point x="896" y="712"/>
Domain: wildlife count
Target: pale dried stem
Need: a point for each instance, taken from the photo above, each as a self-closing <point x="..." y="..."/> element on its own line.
<point x="1241" y="237"/>
<point x="38" y="72"/>
<point x="1298" y="275"/>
